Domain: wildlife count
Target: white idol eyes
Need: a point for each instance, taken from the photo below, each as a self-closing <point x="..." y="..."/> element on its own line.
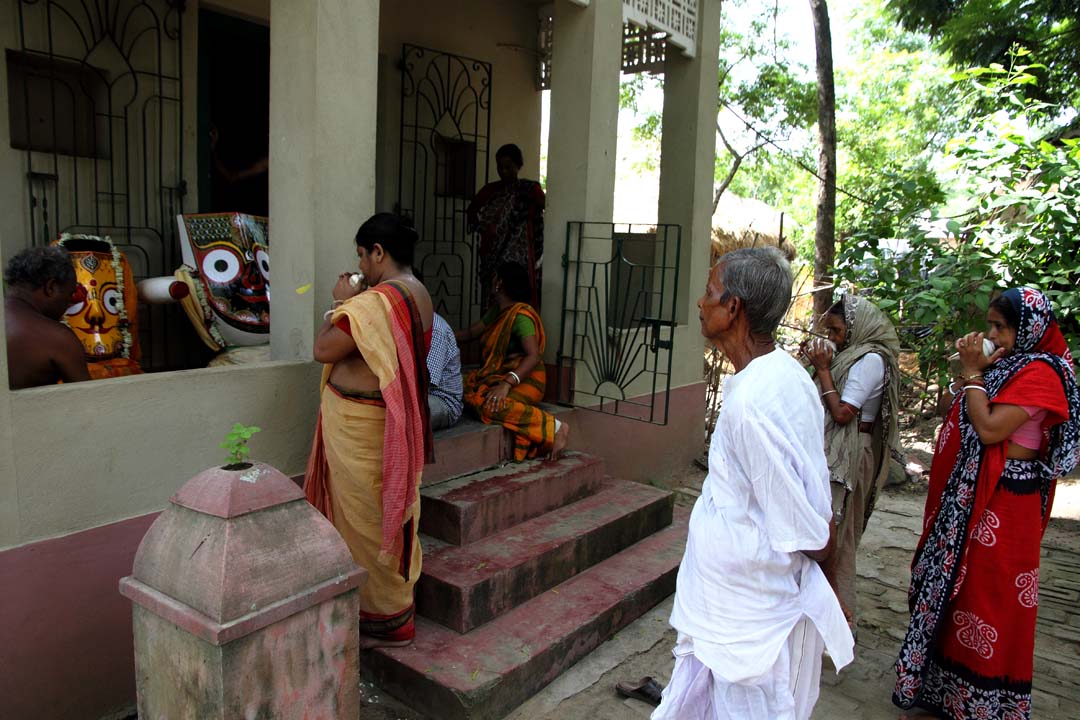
<point x="221" y="266"/>
<point x="75" y="309"/>
<point x="262" y="259"/>
<point x="111" y="300"/>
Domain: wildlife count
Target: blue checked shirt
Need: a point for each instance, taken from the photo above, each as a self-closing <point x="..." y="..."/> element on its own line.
<point x="444" y="366"/>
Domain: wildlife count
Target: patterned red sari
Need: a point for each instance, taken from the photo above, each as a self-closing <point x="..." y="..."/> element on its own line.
<point x="969" y="648"/>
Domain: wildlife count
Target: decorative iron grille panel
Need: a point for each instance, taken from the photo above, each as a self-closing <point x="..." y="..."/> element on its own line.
<point x="643" y="50"/>
<point x="116" y="64"/>
<point x="544" y="45"/>
<point x="677" y="18"/>
<point x="620" y="282"/>
<point x="443" y="157"/>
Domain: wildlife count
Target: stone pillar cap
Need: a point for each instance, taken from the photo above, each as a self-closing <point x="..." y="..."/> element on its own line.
<point x="237" y="550"/>
<point x="231" y="491"/>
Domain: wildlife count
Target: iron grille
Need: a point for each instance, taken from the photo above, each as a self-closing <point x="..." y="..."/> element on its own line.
<point x="96" y="102"/>
<point x="616" y="341"/>
<point x="443" y="158"/>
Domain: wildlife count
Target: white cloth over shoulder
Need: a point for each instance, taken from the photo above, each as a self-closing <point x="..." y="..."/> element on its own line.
<point x="743" y="586"/>
<point x="864" y="385"/>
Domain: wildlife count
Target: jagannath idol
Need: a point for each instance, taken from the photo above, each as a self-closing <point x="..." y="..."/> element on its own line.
<point x="104" y="308"/>
<point x="227" y="268"/>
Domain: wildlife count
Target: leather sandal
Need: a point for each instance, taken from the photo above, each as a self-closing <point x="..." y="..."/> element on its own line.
<point x="646" y="690"/>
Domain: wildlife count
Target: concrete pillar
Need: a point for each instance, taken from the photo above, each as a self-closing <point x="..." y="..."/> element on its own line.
<point x="323" y="98"/>
<point x="687" y="158"/>
<point x="585" y="68"/>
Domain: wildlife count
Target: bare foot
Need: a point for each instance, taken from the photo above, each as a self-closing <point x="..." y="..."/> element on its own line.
<point x="562" y="435"/>
<point x="367" y="642"/>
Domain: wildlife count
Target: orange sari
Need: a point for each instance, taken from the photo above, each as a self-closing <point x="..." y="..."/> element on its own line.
<point x="534" y="429"/>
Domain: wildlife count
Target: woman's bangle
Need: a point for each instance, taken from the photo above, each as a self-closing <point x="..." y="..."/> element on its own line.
<point x="974" y="376"/>
<point x="517" y="378"/>
<point x="828" y="392"/>
<point x="953" y="389"/>
<point x="975" y="387"/>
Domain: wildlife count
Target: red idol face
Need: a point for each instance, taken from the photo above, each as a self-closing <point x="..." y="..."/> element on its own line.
<point x="233" y="259"/>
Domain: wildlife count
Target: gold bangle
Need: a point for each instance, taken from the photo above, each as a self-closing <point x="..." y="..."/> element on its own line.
<point x="974" y="376"/>
<point x="827" y="392"/>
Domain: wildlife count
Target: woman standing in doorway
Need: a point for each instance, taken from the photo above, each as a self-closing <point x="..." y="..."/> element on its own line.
<point x="509" y="215"/>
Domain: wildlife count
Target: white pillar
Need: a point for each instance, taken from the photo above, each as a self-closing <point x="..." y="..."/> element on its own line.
<point x="585" y="67"/>
<point x="323" y="98"/>
<point x="687" y="158"/>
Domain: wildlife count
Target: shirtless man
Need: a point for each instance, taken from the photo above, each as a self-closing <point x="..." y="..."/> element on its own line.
<point x="38" y="287"/>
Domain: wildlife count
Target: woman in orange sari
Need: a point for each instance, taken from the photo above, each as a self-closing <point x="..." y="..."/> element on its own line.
<point x="509" y="386"/>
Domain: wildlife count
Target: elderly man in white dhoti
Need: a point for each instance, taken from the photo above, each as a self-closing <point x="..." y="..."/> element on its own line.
<point x="752" y="608"/>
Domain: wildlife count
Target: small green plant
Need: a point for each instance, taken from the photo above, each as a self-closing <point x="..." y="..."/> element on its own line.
<point x="236" y="443"/>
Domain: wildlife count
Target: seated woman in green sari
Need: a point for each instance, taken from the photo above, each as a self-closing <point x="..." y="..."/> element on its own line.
<point x="509" y="385"/>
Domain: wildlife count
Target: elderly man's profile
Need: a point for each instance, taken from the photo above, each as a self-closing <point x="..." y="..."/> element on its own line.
<point x="39" y="284"/>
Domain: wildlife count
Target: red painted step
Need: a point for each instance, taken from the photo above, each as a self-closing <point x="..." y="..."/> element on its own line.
<point x="486" y="673"/>
<point x="465" y="587"/>
<point x="469" y="508"/>
<point x="468" y="447"/>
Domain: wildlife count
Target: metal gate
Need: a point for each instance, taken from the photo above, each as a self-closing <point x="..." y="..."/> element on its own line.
<point x="95" y="93"/>
<point x="620" y="283"/>
<point x="443" y="158"/>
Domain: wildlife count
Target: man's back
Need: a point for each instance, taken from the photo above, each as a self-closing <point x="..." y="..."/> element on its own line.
<point x="40" y="350"/>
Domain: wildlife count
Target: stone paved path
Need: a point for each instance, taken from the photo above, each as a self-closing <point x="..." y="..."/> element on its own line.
<point x="862" y="690"/>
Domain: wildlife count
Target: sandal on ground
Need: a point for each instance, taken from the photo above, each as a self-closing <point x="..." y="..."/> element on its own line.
<point x="646" y="690"/>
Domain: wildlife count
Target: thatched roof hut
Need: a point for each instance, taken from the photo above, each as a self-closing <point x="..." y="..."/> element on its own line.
<point x="738" y="222"/>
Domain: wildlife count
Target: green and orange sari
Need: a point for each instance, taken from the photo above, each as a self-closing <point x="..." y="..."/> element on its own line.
<point x="533" y="428"/>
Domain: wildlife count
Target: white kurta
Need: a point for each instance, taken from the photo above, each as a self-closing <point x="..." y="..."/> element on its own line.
<point x="750" y="608"/>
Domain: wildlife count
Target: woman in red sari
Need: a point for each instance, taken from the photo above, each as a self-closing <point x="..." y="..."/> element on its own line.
<point x="1012" y="430"/>
<point x="509" y="215"/>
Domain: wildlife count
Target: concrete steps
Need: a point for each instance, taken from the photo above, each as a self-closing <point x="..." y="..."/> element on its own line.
<point x="485" y="673"/>
<point x="465" y="587"/>
<point x="471" y="507"/>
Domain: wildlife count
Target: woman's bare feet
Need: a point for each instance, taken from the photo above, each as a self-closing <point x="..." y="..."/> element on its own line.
<point x="562" y="435"/>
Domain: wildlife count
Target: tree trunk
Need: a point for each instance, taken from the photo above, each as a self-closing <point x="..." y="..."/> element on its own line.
<point x="825" y="227"/>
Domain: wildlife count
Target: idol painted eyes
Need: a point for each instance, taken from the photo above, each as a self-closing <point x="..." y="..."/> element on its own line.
<point x="221" y="266"/>
<point x="262" y="259"/>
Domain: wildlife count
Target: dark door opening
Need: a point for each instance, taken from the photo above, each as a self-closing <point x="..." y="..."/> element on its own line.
<point x="234" y="114"/>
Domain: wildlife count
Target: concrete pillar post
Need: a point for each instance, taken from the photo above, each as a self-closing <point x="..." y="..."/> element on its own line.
<point x="585" y="68"/>
<point x="687" y="158"/>
<point x="323" y="98"/>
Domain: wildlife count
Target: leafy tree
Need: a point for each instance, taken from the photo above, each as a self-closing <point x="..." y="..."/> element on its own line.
<point x="981" y="32"/>
<point x="1018" y="186"/>
<point x="757" y="87"/>
<point x="897" y="107"/>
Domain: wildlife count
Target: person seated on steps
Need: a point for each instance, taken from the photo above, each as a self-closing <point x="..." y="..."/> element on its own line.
<point x="509" y="385"/>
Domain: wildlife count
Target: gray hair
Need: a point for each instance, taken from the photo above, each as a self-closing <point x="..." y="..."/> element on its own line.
<point x="34" y="267"/>
<point x="761" y="278"/>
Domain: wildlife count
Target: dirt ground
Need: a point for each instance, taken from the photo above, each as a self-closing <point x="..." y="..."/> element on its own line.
<point x="863" y="689"/>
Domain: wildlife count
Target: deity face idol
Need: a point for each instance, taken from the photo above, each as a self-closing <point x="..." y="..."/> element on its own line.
<point x="232" y="255"/>
<point x="94" y="315"/>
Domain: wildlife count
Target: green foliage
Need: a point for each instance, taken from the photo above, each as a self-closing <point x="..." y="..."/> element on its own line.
<point x="236" y="443"/>
<point x="981" y="32"/>
<point x="897" y="106"/>
<point x="1019" y="192"/>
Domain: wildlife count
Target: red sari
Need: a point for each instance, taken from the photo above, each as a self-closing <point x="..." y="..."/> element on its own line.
<point x="969" y="648"/>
